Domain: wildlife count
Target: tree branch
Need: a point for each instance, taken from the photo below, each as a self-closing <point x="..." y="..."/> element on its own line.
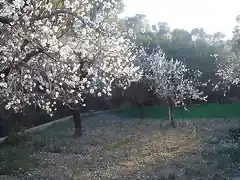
<point x="7" y="70"/>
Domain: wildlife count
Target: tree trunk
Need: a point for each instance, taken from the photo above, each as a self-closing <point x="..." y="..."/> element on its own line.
<point x="142" y="116"/>
<point x="190" y="101"/>
<point x="77" y="123"/>
<point x="111" y="106"/>
<point x="134" y="101"/>
<point x="2" y="119"/>
<point x="140" y="106"/>
<point x="170" y="113"/>
<point x="217" y="99"/>
<point x="1" y="127"/>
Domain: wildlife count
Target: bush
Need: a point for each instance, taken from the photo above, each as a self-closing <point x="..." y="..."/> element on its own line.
<point x="16" y="136"/>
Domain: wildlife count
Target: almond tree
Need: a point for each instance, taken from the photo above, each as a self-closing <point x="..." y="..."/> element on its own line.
<point x="229" y="71"/>
<point x="228" y="61"/>
<point x="171" y="80"/>
<point x="57" y="52"/>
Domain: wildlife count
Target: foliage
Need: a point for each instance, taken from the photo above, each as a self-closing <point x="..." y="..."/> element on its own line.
<point x="208" y="110"/>
<point x="170" y="79"/>
<point x="51" y="53"/>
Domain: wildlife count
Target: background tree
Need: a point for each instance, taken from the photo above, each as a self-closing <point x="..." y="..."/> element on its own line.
<point x="171" y="82"/>
<point x="228" y="61"/>
<point x="194" y="48"/>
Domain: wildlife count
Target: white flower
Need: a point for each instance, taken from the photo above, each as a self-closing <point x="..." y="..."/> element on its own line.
<point x="40" y="87"/>
<point x="49" y="6"/>
<point x="84" y="80"/>
<point x="45" y="28"/>
<point x="7" y="107"/>
<point x="91" y="91"/>
<point x="3" y="84"/>
<point x="67" y="3"/>
<point x="142" y="30"/>
<point x="103" y="56"/>
<point x="130" y="32"/>
<point x="82" y="87"/>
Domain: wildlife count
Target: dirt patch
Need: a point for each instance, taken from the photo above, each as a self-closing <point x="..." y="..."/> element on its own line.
<point x="131" y="149"/>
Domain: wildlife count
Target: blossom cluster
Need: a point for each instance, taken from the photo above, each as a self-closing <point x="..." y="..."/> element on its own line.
<point x="171" y="79"/>
<point x="60" y="51"/>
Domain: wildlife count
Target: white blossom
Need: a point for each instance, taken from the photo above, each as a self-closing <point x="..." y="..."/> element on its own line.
<point x="169" y="81"/>
<point x="61" y="53"/>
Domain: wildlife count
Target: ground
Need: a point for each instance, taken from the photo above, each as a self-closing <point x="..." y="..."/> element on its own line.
<point x="114" y="148"/>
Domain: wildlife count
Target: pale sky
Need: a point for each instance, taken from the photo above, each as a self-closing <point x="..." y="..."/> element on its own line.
<point x="212" y="15"/>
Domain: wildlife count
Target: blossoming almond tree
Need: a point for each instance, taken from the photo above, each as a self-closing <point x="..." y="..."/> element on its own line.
<point x="56" y="52"/>
<point x="229" y="71"/>
<point x="228" y="62"/>
<point x="171" y="81"/>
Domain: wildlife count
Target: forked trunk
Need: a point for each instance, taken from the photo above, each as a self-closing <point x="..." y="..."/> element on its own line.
<point x="77" y="123"/>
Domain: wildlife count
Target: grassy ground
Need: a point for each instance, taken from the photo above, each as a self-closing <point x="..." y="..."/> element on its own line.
<point x="210" y="110"/>
<point x="112" y="149"/>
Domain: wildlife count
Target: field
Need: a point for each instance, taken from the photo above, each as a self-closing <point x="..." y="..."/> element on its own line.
<point x="210" y="110"/>
<point x="114" y="148"/>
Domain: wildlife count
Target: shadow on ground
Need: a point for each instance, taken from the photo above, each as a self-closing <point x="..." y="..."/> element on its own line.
<point x="112" y="149"/>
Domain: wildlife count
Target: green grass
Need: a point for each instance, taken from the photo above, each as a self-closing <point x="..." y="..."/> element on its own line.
<point x="16" y="160"/>
<point x="20" y="152"/>
<point x="210" y="110"/>
<point x="59" y="127"/>
<point x="119" y="144"/>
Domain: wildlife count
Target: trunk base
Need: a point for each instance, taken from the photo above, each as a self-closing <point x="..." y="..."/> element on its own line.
<point x="142" y="115"/>
<point x="77" y="123"/>
<point x="77" y="133"/>
<point x="173" y="125"/>
<point x="170" y="113"/>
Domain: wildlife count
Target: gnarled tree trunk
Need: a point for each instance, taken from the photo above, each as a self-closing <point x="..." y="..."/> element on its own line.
<point x="170" y="112"/>
<point x="77" y="123"/>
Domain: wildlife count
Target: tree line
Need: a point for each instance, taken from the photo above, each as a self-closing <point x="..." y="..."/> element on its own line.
<point x="63" y="53"/>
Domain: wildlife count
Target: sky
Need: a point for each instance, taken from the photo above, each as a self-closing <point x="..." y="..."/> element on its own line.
<point x="212" y="15"/>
